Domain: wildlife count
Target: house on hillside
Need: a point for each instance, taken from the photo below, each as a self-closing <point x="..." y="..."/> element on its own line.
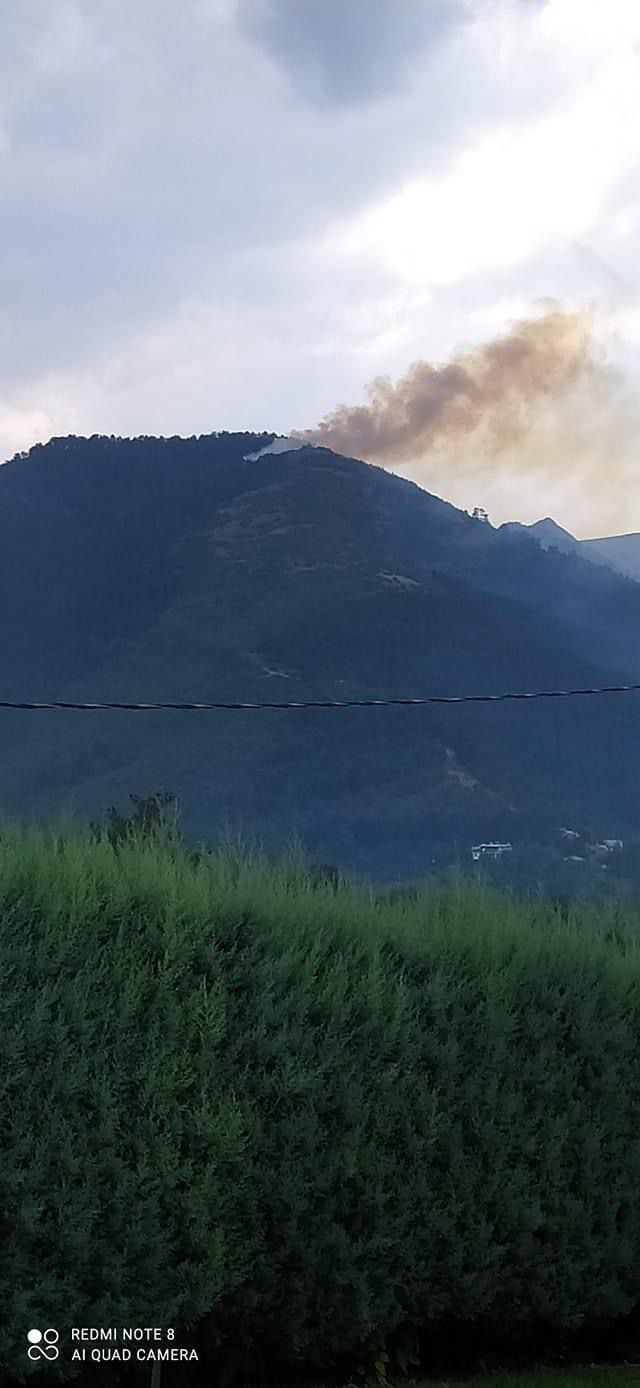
<point x="606" y="846"/>
<point x="490" y="850"/>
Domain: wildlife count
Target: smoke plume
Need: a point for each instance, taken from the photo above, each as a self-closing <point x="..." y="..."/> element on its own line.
<point x="540" y="401"/>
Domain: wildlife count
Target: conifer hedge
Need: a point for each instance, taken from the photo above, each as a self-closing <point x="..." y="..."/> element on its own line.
<point x="294" y="1115"/>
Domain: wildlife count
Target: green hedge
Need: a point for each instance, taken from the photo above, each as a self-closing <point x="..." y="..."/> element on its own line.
<point x="302" y="1117"/>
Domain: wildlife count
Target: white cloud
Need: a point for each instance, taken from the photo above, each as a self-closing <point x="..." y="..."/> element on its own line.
<point x="514" y="194"/>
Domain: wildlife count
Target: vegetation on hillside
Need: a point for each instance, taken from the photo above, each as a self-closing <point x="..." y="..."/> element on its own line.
<point x="174" y="570"/>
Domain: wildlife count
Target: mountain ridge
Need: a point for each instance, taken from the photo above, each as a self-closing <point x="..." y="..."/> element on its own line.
<point x="179" y="570"/>
<point x="618" y="552"/>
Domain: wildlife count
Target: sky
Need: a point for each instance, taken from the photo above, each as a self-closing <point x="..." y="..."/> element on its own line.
<point x="237" y="214"/>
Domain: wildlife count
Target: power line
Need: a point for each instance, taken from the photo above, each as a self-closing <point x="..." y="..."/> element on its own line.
<point x="333" y="703"/>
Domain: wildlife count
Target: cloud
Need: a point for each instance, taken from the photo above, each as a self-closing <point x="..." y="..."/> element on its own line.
<point x="145" y="148"/>
<point x="347" y="51"/>
<point x="510" y="191"/>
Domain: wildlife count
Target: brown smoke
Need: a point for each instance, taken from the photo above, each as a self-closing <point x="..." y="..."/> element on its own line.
<point x="540" y="399"/>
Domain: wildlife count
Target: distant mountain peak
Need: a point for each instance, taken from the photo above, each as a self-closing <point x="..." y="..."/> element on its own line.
<point x="618" y="552"/>
<point x="621" y="552"/>
<point x="551" y="535"/>
<point x="552" y="525"/>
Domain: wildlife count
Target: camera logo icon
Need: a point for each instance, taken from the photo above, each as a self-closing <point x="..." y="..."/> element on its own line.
<point x="43" y="1344"/>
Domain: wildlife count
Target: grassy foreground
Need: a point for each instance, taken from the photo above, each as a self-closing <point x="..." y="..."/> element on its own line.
<point x="309" y="1127"/>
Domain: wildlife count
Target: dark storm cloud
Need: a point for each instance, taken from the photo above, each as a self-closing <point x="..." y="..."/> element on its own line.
<point x="348" y="50"/>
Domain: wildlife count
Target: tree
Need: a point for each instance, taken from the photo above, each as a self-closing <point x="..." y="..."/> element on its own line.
<point x="153" y="816"/>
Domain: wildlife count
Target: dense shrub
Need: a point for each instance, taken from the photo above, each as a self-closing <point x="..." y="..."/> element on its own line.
<point x="303" y="1117"/>
<point x="126" y="1195"/>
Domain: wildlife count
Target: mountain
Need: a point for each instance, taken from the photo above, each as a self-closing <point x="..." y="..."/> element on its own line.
<point x="158" y="570"/>
<point x="548" y="533"/>
<point x="619" y="552"/>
